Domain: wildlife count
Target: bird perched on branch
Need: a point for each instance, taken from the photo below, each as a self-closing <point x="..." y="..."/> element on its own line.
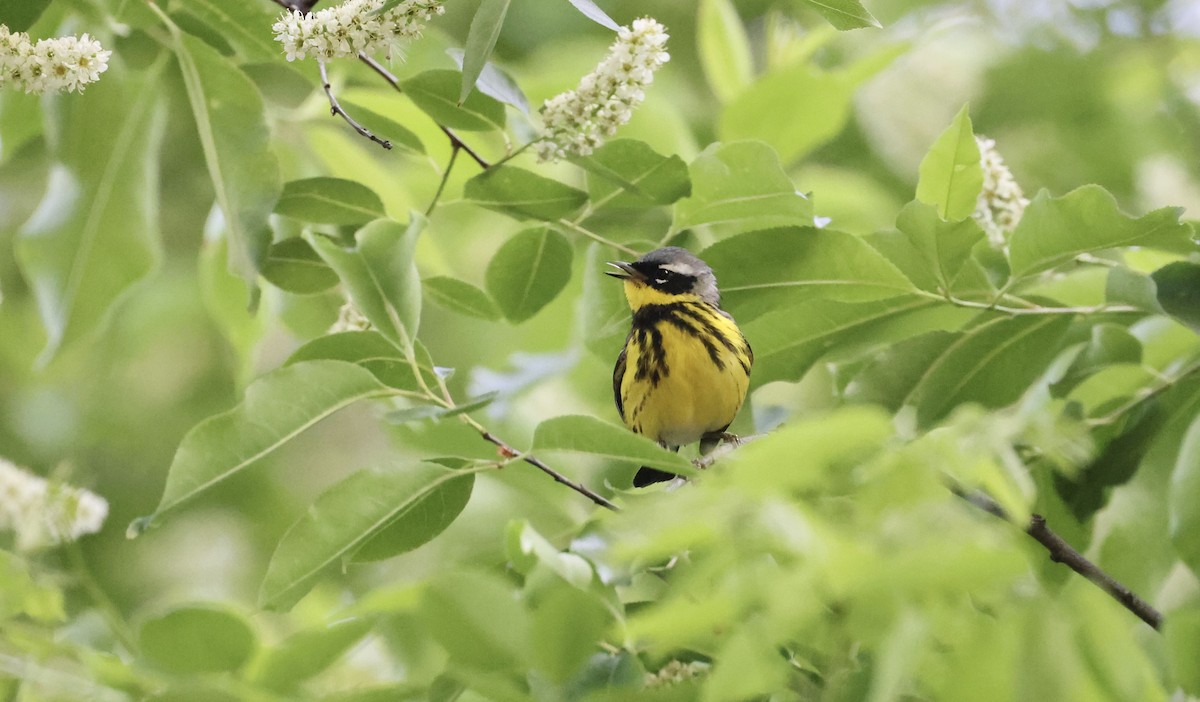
<point x="683" y="373"/>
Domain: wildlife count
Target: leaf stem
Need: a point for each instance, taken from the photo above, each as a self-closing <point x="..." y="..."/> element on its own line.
<point x="335" y="108"/>
<point x="395" y="83"/>
<point x="1035" y="310"/>
<point x="454" y="149"/>
<point x="1146" y="395"/>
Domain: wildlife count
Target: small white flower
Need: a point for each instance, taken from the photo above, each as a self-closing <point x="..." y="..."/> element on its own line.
<point x="43" y="514"/>
<point x="578" y="121"/>
<point x="349" y="319"/>
<point x="1001" y="202"/>
<point x="62" y="64"/>
<point x="351" y="28"/>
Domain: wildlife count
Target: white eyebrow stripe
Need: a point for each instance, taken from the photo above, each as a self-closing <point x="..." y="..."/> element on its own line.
<point x="680" y="267"/>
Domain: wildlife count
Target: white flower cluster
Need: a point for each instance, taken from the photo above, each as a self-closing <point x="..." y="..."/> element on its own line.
<point x="1001" y="202"/>
<point x="676" y="672"/>
<point x="62" y="64"/>
<point x="42" y="513"/>
<point x="353" y="27"/>
<point x="578" y="121"/>
<point x="349" y="319"/>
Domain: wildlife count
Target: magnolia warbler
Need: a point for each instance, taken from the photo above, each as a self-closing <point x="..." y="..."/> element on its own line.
<point x="683" y="373"/>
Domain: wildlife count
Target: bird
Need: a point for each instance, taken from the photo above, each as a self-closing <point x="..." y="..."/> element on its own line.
<point x="683" y="372"/>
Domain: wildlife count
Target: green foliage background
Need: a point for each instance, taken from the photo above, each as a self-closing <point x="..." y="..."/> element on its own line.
<point x="328" y="523"/>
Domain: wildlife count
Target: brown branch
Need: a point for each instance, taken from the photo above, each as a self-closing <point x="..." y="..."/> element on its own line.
<point x="392" y="80"/>
<point x="537" y="463"/>
<point x="335" y="108"/>
<point x="1062" y="552"/>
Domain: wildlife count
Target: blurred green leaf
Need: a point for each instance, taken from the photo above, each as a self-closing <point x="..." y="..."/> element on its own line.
<point x="372" y="351"/>
<point x="760" y="271"/>
<point x="292" y="265"/>
<point x="1184" y="508"/>
<point x="628" y="173"/>
<point x="590" y="10"/>
<point x="951" y="175"/>
<point x="197" y="639"/>
<point x="1109" y="344"/>
<point x="992" y="364"/>
<point x="566" y="624"/>
<point x="478" y="619"/>
<point x="385" y="127"/>
<point x="460" y="296"/>
<point x="481" y="40"/>
<point x="421" y="412"/>
<point x="890" y="375"/>
<point x="224" y="296"/>
<point x="276" y="408"/>
<point x="1178" y="290"/>
<point x="741" y="185"/>
<point x="1127" y="287"/>
<point x="280" y="84"/>
<point x="436" y="93"/>
<point x="306" y="654"/>
<point x="381" y="276"/>
<point x="95" y="232"/>
<point x="794" y="109"/>
<point x="526" y="548"/>
<point x="329" y="201"/>
<point x="496" y="83"/>
<point x="582" y="434"/>
<point x="519" y="193"/>
<point x="231" y="124"/>
<point x="843" y="14"/>
<point x="1054" y="230"/>
<point x="25" y="595"/>
<point x="19" y="15"/>
<point x="246" y="26"/>
<point x="529" y="271"/>
<point x="1182" y="633"/>
<point x="724" y="48"/>
<point x="412" y="503"/>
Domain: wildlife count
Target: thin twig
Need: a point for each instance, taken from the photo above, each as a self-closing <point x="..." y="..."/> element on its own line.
<point x="1020" y="311"/>
<point x="537" y="463"/>
<point x="1145" y="396"/>
<point x="335" y="108"/>
<point x="1062" y="552"/>
<point x="395" y="83"/>
<point x="445" y="177"/>
<point x="596" y="237"/>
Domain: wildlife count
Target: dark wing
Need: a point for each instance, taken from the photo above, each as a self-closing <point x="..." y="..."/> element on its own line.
<point x="618" y="373"/>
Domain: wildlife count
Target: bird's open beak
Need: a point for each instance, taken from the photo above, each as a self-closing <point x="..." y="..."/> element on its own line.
<point x="625" y="271"/>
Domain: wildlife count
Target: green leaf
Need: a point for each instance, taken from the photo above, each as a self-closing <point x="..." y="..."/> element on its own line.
<point x="244" y="25"/>
<point x="942" y="247"/>
<point x="385" y="128"/>
<point x="519" y="193"/>
<point x="529" y="271"/>
<point x="95" y="232"/>
<point x="372" y="351"/>
<point x="590" y="10"/>
<point x="628" y="173"/>
<point x="409" y="503"/>
<point x="1126" y="287"/>
<point x="890" y="376"/>
<point x="280" y="83"/>
<point x="460" y="296"/>
<point x="743" y="186"/>
<point x="421" y="412"/>
<point x="992" y="364"/>
<point x="381" y="276"/>
<point x="843" y="14"/>
<point x="495" y="83"/>
<point x="276" y="408"/>
<point x="197" y="639"/>
<point x="231" y="125"/>
<point x="436" y="93"/>
<point x="526" y="549"/>
<point x="292" y="265"/>
<point x="950" y="174"/>
<point x="306" y="654"/>
<point x="329" y="201"/>
<point x="478" y="618"/>
<point x="760" y="271"/>
<point x="788" y="341"/>
<point x="1053" y="230"/>
<point x="1178" y="287"/>
<point x="20" y="15"/>
<point x="582" y="434"/>
<point x="1109" y="344"/>
<point x="38" y="598"/>
<point x="481" y="40"/>
<point x="724" y="48"/>
<point x="1184" y="508"/>
<point x="567" y="623"/>
<point x="1181" y="630"/>
<point x="794" y="109"/>
<point x="224" y="297"/>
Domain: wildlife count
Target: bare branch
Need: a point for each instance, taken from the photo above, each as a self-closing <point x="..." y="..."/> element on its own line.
<point x="537" y="463"/>
<point x="335" y="108"/>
